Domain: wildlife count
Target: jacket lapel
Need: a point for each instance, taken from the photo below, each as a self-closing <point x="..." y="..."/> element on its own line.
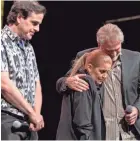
<point x="124" y="60"/>
<point x="102" y="95"/>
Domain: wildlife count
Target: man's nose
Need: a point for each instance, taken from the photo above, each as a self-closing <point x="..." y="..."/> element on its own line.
<point x="114" y="53"/>
<point x="36" y="28"/>
<point x="105" y="76"/>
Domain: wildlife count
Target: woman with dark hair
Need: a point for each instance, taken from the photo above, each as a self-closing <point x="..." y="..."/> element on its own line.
<point x="81" y="112"/>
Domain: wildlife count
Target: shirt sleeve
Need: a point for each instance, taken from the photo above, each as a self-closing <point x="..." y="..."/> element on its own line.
<point x="4" y="62"/>
<point x="37" y="77"/>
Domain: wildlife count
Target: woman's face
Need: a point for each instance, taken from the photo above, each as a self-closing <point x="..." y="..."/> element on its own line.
<point x="99" y="74"/>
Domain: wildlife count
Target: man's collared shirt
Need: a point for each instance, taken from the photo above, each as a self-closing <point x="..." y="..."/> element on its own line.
<point x="18" y="59"/>
<point x="113" y="106"/>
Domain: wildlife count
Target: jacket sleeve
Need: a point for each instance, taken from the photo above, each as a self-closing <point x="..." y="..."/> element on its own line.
<point x="60" y="83"/>
<point x="82" y="114"/>
<point x="137" y="102"/>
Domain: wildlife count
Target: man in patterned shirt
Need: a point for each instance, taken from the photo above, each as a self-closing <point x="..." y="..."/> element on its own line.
<point x="20" y="84"/>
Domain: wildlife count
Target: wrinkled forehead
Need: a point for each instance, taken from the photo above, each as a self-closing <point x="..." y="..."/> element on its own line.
<point x="112" y="45"/>
<point x="36" y="17"/>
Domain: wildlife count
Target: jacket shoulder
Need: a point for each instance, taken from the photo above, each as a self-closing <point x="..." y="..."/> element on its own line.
<point x="90" y="81"/>
<point x="130" y="52"/>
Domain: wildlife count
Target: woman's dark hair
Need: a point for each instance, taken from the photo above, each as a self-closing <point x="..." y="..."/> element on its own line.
<point x="24" y="8"/>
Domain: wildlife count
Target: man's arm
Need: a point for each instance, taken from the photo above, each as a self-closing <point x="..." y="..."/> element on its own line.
<point x="13" y="95"/>
<point x="61" y="85"/>
<point x="38" y="105"/>
<point x="71" y="82"/>
<point x="38" y="98"/>
<point x="132" y="117"/>
<point x="38" y="94"/>
<point x="75" y="82"/>
<point x="82" y="114"/>
<point x="137" y="102"/>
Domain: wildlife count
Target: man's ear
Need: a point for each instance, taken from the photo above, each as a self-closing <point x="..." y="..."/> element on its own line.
<point x="19" y="18"/>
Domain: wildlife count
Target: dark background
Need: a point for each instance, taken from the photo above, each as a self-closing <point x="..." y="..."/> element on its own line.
<point x="68" y="28"/>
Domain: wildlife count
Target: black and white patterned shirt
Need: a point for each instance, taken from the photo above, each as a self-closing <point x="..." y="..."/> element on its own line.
<point x="18" y="58"/>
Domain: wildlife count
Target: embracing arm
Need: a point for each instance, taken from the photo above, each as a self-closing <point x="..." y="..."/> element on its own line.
<point x="61" y="85"/>
<point x="72" y="82"/>
<point x="82" y="115"/>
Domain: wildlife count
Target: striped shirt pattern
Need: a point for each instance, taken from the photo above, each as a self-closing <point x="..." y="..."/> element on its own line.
<point x="113" y="105"/>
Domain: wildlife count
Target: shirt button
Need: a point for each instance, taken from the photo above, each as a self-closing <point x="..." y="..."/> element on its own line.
<point x="117" y="116"/>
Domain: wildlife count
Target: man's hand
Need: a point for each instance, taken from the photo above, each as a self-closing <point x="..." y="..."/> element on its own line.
<point x="132" y="117"/>
<point x="36" y="122"/>
<point x="77" y="83"/>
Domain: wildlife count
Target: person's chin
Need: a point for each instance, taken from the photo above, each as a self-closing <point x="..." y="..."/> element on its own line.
<point x="99" y="82"/>
<point x="29" y="37"/>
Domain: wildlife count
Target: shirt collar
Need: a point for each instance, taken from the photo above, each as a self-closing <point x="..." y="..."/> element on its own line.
<point x="13" y="35"/>
<point x="10" y="33"/>
<point x="117" y="62"/>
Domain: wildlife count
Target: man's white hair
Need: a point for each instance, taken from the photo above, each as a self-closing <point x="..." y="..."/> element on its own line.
<point x="109" y="33"/>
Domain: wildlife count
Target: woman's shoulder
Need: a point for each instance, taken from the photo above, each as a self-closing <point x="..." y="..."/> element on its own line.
<point x="88" y="77"/>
